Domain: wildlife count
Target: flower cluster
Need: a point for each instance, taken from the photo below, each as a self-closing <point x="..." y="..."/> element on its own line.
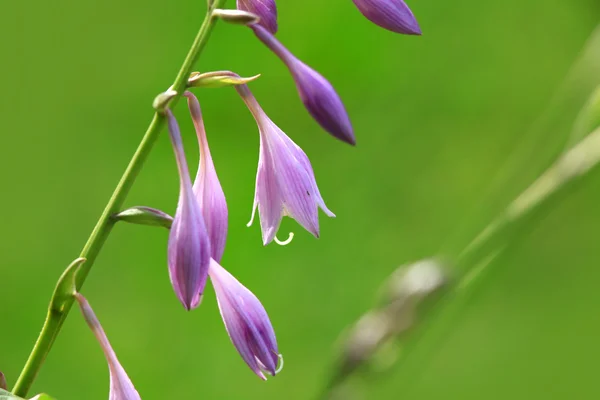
<point x="285" y="186"/>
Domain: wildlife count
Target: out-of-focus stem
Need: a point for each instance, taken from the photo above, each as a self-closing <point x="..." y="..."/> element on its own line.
<point x="56" y="317"/>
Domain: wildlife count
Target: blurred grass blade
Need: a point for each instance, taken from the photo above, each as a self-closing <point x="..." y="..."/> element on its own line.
<point x="549" y="135"/>
<point x="588" y="119"/>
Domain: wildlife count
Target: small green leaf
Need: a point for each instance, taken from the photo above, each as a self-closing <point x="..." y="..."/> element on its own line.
<point x="66" y="286"/>
<point x="145" y="216"/>
<point x="238" y="17"/>
<point x="218" y="79"/>
<point x="161" y="102"/>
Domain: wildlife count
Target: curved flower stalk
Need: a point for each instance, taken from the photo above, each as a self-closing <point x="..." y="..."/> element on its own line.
<point x="246" y="322"/>
<point x="265" y="9"/>
<point x="317" y="94"/>
<point x="285" y="181"/>
<point x="207" y="188"/>
<point x="189" y="245"/>
<point x="121" y="387"/>
<point x="393" y="15"/>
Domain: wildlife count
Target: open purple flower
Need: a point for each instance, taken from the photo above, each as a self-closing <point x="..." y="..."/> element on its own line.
<point x="265" y="9"/>
<point x="285" y="181"/>
<point x="189" y="245"/>
<point x="317" y="94"/>
<point x="393" y="15"/>
<point x="207" y="188"/>
<point x="247" y="323"/>
<point x="121" y="387"/>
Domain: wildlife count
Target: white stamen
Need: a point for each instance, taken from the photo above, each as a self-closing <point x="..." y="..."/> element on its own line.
<point x="254" y="206"/>
<point x="285" y="242"/>
<point x="280" y="367"/>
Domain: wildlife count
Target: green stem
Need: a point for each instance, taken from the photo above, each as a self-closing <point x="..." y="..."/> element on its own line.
<point x="56" y="317"/>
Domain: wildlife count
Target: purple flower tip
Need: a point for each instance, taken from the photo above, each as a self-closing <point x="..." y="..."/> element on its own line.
<point x="393" y="15"/>
<point x="189" y="247"/>
<point x="317" y="94"/>
<point x="121" y="387"/>
<point x="265" y="9"/>
<point x="247" y="323"/>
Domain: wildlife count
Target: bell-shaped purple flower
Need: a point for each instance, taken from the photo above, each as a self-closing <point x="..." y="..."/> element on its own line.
<point x="121" y="387"/>
<point x="207" y="188"/>
<point x="393" y="15"/>
<point x="247" y="323"/>
<point x="317" y="94"/>
<point x="189" y="245"/>
<point x="265" y="9"/>
<point x="285" y="181"/>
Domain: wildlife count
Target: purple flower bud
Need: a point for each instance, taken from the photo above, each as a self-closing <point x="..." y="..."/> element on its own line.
<point x="189" y="245"/>
<point x="207" y="188"/>
<point x="247" y="323"/>
<point x="121" y="387"/>
<point x="265" y="9"/>
<point x="285" y="181"/>
<point x="317" y="94"/>
<point x="393" y="15"/>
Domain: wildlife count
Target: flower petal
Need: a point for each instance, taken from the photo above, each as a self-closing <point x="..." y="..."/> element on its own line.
<point x="207" y="188"/>
<point x="393" y="15"/>
<point x="121" y="387"/>
<point x="265" y="9"/>
<point x="246" y="321"/>
<point x="189" y="245"/>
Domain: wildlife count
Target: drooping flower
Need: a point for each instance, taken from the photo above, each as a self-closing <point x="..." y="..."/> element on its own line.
<point x="393" y="15"/>
<point x="265" y="9"/>
<point x="189" y="245"/>
<point x="121" y="387"/>
<point x="247" y="323"/>
<point x="317" y="94"/>
<point x="285" y="181"/>
<point x="207" y="188"/>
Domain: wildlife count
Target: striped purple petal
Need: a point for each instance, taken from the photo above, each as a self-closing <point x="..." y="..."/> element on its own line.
<point x="189" y="245"/>
<point x="207" y="188"/>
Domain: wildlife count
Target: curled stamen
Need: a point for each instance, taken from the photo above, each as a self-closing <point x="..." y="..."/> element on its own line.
<point x="280" y="367"/>
<point x="285" y="242"/>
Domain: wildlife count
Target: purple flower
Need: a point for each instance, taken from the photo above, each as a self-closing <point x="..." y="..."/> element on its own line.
<point x="247" y="323"/>
<point x="189" y="245"/>
<point x="285" y="181"/>
<point x="207" y="188"/>
<point x="317" y="94"/>
<point x="121" y="387"/>
<point x="393" y="15"/>
<point x="265" y="9"/>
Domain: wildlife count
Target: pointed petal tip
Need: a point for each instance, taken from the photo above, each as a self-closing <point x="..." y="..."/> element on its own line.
<point x="393" y="15"/>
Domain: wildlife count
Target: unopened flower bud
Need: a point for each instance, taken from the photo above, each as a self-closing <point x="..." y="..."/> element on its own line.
<point x="317" y="94"/>
<point x="3" y="381"/>
<point x="393" y="15"/>
<point x="247" y="323"/>
<point x="207" y="188"/>
<point x="189" y="245"/>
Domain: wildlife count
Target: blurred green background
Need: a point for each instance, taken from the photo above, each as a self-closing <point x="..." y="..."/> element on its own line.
<point x="436" y="118"/>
